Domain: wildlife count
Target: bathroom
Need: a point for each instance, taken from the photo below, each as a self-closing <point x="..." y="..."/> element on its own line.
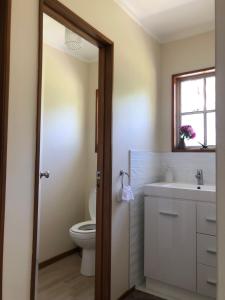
<point x="187" y="64"/>
<point x="157" y="245"/>
<point x="172" y="229"/>
<point x="67" y="213"/>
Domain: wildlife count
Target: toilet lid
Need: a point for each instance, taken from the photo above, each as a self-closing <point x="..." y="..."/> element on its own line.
<point x="92" y="204"/>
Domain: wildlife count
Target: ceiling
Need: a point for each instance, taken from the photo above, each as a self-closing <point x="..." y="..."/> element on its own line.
<point x="54" y="36"/>
<point x="169" y="20"/>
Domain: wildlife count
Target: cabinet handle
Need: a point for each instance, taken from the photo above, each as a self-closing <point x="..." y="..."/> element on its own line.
<point x="211" y="220"/>
<point x="168" y="213"/>
<point x="212" y="282"/>
<point x="211" y="251"/>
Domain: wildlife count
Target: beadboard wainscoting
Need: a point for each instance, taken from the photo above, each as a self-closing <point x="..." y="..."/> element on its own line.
<point x="148" y="167"/>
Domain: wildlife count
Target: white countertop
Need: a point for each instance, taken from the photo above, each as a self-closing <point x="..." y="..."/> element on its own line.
<point x="181" y="190"/>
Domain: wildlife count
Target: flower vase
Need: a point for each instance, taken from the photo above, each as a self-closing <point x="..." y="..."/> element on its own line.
<point x="181" y="144"/>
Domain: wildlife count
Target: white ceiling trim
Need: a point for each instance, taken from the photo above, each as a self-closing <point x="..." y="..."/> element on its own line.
<point x="135" y="19"/>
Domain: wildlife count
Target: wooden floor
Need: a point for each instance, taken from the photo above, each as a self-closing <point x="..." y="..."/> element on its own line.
<point x="62" y="281"/>
<point x="136" y="295"/>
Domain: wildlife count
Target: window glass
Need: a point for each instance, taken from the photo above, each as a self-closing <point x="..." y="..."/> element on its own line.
<point x="211" y="128"/>
<point x="210" y="93"/>
<point x="197" y="123"/>
<point x="192" y="95"/>
<point x="195" y="101"/>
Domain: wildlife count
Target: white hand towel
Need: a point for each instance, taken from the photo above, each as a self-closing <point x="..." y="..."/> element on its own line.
<point x="127" y="194"/>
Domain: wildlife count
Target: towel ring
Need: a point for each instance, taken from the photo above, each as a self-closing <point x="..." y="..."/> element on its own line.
<point x="122" y="174"/>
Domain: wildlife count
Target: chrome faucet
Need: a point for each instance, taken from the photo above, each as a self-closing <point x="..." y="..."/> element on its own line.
<point x="199" y="177"/>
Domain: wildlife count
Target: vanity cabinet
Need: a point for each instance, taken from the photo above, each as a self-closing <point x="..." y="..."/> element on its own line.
<point x="170" y="241"/>
<point x="180" y="244"/>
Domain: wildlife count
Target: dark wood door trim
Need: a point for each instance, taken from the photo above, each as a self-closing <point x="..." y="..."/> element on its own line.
<point x="5" y="26"/>
<point x="104" y="188"/>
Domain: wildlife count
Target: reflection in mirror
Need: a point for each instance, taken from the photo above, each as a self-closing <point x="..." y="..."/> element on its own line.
<point x="67" y="231"/>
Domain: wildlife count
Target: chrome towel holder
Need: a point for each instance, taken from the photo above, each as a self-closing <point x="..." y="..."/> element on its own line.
<point x="122" y="175"/>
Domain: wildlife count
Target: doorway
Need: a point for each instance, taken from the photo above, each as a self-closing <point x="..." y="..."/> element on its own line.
<point x="74" y="26"/>
<point x="5" y="25"/>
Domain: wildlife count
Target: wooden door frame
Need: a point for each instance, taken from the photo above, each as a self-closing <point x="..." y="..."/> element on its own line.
<point x="68" y="18"/>
<point x="5" y="26"/>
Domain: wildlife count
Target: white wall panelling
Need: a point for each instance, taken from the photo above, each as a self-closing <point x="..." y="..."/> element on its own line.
<point x="144" y="168"/>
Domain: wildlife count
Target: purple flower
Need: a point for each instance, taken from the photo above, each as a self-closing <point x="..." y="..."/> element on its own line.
<point x="187" y="132"/>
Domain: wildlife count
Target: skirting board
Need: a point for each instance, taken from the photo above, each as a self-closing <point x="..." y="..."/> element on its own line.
<point x="168" y="292"/>
<point x="127" y="293"/>
<point x="56" y="258"/>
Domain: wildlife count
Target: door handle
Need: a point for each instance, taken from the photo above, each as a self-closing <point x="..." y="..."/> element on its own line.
<point x="45" y="174"/>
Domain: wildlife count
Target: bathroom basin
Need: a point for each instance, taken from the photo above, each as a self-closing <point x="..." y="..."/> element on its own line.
<point x="181" y="191"/>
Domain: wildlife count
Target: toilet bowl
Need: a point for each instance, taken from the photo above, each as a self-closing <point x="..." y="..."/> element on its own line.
<point x="83" y="235"/>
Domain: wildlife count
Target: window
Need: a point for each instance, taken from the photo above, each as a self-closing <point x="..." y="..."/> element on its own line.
<point x="194" y="104"/>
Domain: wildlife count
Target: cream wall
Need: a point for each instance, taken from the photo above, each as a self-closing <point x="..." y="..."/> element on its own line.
<point x="21" y="151"/>
<point x="176" y="57"/>
<point x="136" y="72"/>
<point x="65" y="139"/>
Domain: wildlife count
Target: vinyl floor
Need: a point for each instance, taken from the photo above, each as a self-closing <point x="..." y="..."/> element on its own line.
<point x="62" y="281"/>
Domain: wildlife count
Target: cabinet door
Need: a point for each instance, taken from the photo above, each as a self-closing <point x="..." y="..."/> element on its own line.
<point x="170" y="241"/>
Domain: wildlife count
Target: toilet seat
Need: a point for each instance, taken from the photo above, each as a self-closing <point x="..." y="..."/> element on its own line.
<point x="84" y="236"/>
<point x="84" y="227"/>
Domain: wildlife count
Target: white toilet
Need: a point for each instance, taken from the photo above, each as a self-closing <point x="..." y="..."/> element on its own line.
<point x="83" y="235"/>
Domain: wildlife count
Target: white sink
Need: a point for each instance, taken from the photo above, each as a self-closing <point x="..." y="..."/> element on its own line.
<point x="181" y="191"/>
